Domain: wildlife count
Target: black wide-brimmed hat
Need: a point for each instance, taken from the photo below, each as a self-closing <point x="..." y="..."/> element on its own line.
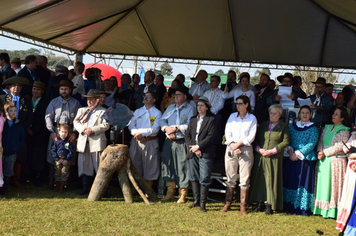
<point x="65" y="82"/>
<point x="320" y="80"/>
<point x="185" y="90"/>
<point x="281" y="77"/>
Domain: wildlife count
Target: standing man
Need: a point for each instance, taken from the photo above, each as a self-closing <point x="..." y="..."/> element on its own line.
<point x="24" y="114"/>
<point x="144" y="149"/>
<point x="41" y="70"/>
<point x="263" y="91"/>
<point x="214" y="94"/>
<point x="144" y="88"/>
<point x="78" y="81"/>
<point x="200" y="86"/>
<point x="28" y="72"/>
<point x="38" y="133"/>
<point x="161" y="89"/>
<point x="174" y="123"/>
<point x="61" y="74"/>
<point x="6" y="70"/>
<point x="16" y="64"/>
<point x="321" y="103"/>
<point x="135" y="81"/>
<point x="91" y="125"/>
<point x="61" y="110"/>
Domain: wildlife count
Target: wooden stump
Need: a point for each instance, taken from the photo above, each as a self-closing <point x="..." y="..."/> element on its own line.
<point x="117" y="159"/>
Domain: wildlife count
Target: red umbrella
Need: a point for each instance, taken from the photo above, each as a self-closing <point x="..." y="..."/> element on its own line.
<point x="106" y="71"/>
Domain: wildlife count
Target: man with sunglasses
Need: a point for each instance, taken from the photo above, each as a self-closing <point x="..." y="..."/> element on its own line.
<point x="144" y="128"/>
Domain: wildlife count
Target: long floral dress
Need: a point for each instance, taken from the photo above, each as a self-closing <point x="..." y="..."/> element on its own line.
<point x="298" y="176"/>
<point x="331" y="171"/>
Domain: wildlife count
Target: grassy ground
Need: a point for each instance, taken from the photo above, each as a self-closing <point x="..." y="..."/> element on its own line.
<point x="36" y="211"/>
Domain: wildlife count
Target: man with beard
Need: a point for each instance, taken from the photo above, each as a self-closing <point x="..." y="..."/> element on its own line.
<point x="61" y="110"/>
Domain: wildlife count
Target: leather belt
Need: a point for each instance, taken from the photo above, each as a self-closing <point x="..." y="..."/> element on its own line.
<point x="149" y="138"/>
<point x="57" y="125"/>
<point x="178" y="139"/>
<point x="62" y="157"/>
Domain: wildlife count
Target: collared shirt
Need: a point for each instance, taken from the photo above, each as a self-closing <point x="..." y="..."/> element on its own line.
<point x="186" y="111"/>
<point x="237" y="91"/>
<point x="199" y="88"/>
<point x="54" y="109"/>
<point x="145" y="121"/>
<point x="4" y="68"/>
<point x="216" y="99"/>
<point x="199" y="122"/>
<point x="238" y="129"/>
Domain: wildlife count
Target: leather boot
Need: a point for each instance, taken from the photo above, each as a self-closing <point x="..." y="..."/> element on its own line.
<point x="61" y="186"/>
<point x="171" y="190"/>
<point x="85" y="185"/>
<point x="183" y="195"/>
<point x="260" y="207"/>
<point x="50" y="177"/>
<point x="17" y="174"/>
<point x="203" y="197"/>
<point x="269" y="210"/>
<point x="196" y="193"/>
<point x="228" y="199"/>
<point x="243" y="200"/>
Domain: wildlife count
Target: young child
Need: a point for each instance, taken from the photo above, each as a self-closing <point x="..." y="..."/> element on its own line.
<point x="62" y="152"/>
<point x="13" y="137"/>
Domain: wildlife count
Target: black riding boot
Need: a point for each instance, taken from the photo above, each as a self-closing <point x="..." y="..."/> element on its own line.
<point x="196" y="193"/>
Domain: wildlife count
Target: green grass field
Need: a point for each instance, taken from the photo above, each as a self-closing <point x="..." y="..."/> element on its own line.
<point x="37" y="211"/>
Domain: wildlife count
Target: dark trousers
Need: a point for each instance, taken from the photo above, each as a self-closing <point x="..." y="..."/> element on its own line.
<point x="200" y="169"/>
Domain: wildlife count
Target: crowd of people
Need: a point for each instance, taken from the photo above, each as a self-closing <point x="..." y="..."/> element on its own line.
<point x="51" y="121"/>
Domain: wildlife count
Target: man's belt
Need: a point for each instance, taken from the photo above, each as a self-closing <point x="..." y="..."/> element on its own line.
<point x="178" y="139"/>
<point x="149" y="138"/>
<point x="62" y="157"/>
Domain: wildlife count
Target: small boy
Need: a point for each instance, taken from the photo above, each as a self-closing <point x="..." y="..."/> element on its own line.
<point x="13" y="137"/>
<point x="62" y="152"/>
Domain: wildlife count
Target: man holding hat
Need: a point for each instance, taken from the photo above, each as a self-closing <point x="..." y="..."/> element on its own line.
<point x="174" y="123"/>
<point x="144" y="149"/>
<point x="322" y="103"/>
<point x="24" y="114"/>
<point x="91" y="125"/>
<point x="38" y="132"/>
<point x="61" y="110"/>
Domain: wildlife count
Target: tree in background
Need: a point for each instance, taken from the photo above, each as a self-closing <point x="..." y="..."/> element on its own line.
<point x="219" y="72"/>
<point x="352" y="81"/>
<point x="312" y="75"/>
<point x="166" y="69"/>
<point x="256" y="78"/>
<point x="53" y="60"/>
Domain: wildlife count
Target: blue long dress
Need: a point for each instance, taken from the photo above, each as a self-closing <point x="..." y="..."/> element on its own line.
<point x="298" y="176"/>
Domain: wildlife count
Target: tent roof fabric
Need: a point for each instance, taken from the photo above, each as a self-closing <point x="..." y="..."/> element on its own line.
<point x="299" y="32"/>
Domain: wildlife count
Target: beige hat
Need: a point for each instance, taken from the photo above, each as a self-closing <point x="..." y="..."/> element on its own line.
<point x="16" y="59"/>
<point x="92" y="93"/>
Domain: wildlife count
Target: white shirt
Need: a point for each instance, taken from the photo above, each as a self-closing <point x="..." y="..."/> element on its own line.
<point x="238" y="129"/>
<point x="216" y="99"/>
<point x="78" y="82"/>
<point x="237" y="91"/>
<point x="199" y="88"/>
<point x="145" y="121"/>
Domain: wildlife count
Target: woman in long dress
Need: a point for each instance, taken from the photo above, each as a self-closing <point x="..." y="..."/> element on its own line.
<point x="331" y="170"/>
<point x="299" y="167"/>
<point x="271" y="140"/>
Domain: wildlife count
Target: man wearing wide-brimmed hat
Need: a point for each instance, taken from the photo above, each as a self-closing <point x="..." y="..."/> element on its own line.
<point x="24" y="114"/>
<point x="61" y="74"/>
<point x="38" y="132"/>
<point x="91" y="125"/>
<point x="61" y="110"/>
<point x="322" y="103"/>
<point x="174" y="123"/>
<point x="16" y="64"/>
<point x="287" y="81"/>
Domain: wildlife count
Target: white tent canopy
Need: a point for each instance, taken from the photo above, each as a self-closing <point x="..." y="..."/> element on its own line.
<point x="296" y="32"/>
